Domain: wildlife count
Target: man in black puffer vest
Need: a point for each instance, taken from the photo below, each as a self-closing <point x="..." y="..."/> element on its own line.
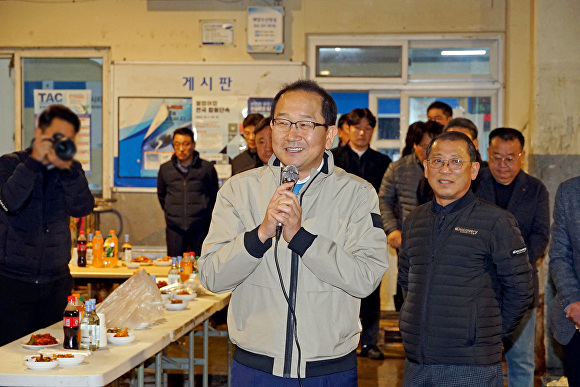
<point x="186" y="187"/>
<point x="464" y="265"/>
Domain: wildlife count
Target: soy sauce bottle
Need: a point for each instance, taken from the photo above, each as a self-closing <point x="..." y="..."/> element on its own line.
<point x="71" y="322"/>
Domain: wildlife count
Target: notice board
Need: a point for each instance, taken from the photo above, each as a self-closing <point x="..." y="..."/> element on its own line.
<point x="151" y="100"/>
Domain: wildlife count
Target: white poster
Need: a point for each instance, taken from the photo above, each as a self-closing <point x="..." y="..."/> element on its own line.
<point x="79" y="101"/>
<point x="266" y="29"/>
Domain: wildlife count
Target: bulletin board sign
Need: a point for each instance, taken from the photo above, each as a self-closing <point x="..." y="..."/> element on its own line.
<point x="154" y="99"/>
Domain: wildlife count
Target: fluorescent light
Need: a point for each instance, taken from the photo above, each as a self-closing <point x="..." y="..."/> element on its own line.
<point x="337" y="49"/>
<point x="464" y="52"/>
<point x="325" y="72"/>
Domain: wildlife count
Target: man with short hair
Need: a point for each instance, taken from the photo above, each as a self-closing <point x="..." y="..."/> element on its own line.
<point x="343" y="131"/>
<point x="358" y="158"/>
<point x="526" y="198"/>
<point x="296" y="267"/>
<point x="564" y="255"/>
<point x="263" y="138"/>
<point x="439" y="112"/>
<point x="464" y="265"/>
<point x="186" y="188"/>
<point x="39" y="192"/>
<point x="248" y="159"/>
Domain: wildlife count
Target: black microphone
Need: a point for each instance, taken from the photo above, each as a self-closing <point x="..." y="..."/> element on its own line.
<point x="289" y="174"/>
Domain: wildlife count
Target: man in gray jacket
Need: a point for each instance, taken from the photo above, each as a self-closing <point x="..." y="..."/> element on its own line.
<point x="295" y="300"/>
<point x="565" y="271"/>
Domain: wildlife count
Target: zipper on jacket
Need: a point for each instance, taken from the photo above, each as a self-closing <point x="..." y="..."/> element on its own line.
<point x="426" y="293"/>
<point x="292" y="298"/>
<point x="184" y="200"/>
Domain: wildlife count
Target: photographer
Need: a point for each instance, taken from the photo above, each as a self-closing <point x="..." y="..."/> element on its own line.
<point x="40" y="188"/>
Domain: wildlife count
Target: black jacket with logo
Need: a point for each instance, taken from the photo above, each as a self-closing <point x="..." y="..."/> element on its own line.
<point x="468" y="282"/>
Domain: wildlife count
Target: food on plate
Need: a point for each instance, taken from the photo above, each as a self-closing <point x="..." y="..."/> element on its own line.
<point x="122" y="333"/>
<point x="184" y="292"/>
<point x="165" y="259"/>
<point x="63" y="356"/>
<point x="176" y="301"/>
<point x="41" y="359"/>
<point x="42" y="339"/>
<point x="115" y="330"/>
<point x="161" y="284"/>
<point x="141" y="259"/>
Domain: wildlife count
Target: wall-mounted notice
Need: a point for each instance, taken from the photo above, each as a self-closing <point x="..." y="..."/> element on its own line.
<point x="266" y="29"/>
<point x="216" y="120"/>
<point x="79" y="101"/>
<point x="217" y="33"/>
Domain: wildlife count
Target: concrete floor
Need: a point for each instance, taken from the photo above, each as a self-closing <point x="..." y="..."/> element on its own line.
<point x="372" y="373"/>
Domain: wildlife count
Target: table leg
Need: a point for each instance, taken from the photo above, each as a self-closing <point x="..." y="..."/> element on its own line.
<point x="205" y="352"/>
<point x="191" y="359"/>
<point x="141" y="375"/>
<point x="158" y="369"/>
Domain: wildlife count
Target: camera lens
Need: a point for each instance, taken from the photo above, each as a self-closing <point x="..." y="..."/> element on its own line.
<point x="64" y="148"/>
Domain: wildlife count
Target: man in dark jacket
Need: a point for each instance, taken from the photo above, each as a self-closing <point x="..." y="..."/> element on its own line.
<point x="186" y="187"/>
<point x="464" y="265"/>
<point x="526" y="198"/>
<point x="249" y="158"/>
<point x="39" y="192"/>
<point x="358" y="158"/>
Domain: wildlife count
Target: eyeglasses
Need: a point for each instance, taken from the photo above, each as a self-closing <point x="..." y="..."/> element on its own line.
<point x="284" y="125"/>
<point x="509" y="160"/>
<point x="178" y="145"/>
<point x="454" y="164"/>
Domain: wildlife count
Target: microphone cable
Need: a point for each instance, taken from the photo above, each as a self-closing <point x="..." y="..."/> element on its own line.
<point x="290" y="308"/>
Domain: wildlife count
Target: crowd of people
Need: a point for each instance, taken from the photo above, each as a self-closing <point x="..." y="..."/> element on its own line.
<point x="304" y="255"/>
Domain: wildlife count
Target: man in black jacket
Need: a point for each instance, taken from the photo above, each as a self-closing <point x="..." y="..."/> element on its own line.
<point x="508" y="186"/>
<point x="39" y="192"/>
<point x="186" y="187"/>
<point x="358" y="158"/>
<point x="464" y="265"/>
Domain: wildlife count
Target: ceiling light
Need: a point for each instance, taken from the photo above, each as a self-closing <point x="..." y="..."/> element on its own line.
<point x="463" y="52"/>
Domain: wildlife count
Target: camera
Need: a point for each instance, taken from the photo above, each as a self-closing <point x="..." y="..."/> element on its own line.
<point x="64" y="148"/>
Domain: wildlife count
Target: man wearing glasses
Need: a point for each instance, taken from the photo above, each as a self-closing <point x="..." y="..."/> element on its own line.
<point x="295" y="300"/>
<point x="526" y="198"/>
<point x="464" y="265"/>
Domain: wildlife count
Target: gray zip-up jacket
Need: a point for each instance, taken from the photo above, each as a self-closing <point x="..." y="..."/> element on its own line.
<point x="338" y="256"/>
<point x="398" y="192"/>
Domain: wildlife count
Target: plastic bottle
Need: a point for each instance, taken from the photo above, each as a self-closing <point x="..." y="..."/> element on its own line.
<point x="186" y="265"/>
<point x="109" y="252"/>
<point x="116" y="241"/>
<point x="82" y="250"/>
<point x="96" y="324"/>
<point x="86" y="327"/>
<point x="90" y="249"/>
<point x="173" y="276"/>
<point x="71" y="325"/>
<point x="98" y="250"/>
<point x="126" y="250"/>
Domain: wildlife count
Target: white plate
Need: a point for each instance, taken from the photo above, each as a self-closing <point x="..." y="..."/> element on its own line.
<point x="144" y="325"/>
<point x="170" y="306"/>
<point x="70" y="361"/>
<point x="37" y="347"/>
<point x="111" y="339"/>
<point x="165" y="297"/>
<point x="39" y="366"/>
<point x="184" y="297"/>
<point x="162" y="263"/>
<point x="133" y="265"/>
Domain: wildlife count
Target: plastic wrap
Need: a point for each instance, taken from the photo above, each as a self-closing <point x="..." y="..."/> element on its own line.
<point x="136" y="302"/>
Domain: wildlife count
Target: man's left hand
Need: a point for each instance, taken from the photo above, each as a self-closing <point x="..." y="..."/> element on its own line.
<point x="573" y="313"/>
